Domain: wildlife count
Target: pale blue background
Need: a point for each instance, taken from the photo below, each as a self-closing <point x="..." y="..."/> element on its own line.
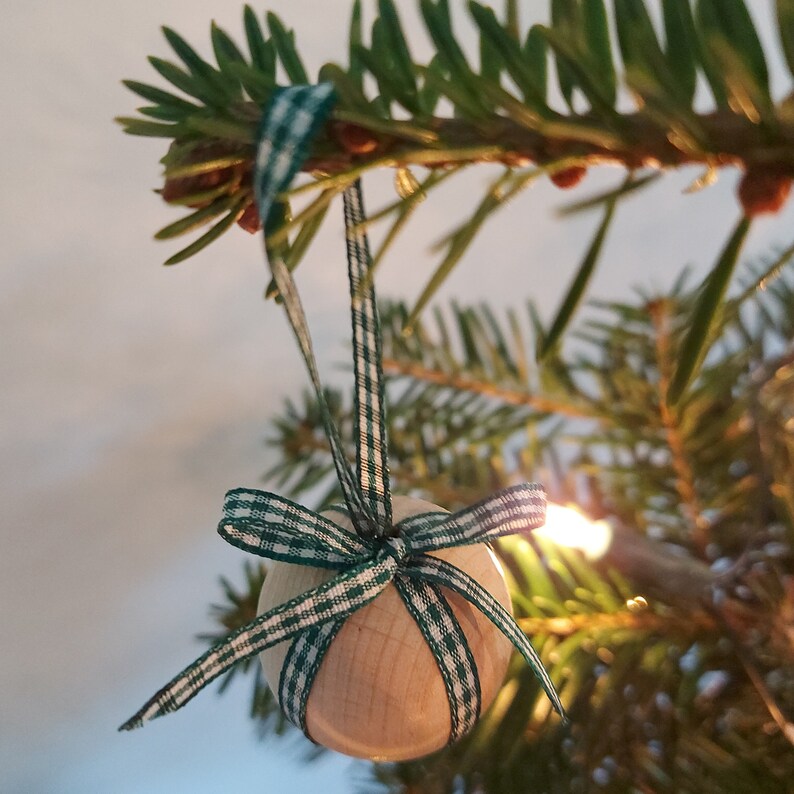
<point x="132" y="397"/>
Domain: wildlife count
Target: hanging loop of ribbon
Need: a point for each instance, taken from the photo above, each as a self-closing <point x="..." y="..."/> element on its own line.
<point x="377" y="552"/>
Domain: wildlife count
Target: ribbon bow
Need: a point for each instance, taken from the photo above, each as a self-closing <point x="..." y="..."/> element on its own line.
<point x="377" y="553"/>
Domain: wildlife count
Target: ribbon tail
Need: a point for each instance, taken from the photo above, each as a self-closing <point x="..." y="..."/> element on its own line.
<point x="334" y="599"/>
<point x="300" y="668"/>
<point x="440" y="572"/>
<point x="370" y="401"/>
<point x="444" y="635"/>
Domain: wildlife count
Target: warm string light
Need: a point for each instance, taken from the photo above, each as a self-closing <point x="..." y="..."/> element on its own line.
<point x="567" y="526"/>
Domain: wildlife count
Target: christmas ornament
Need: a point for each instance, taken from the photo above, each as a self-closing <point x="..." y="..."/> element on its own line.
<point x="379" y="693"/>
<point x="376" y="607"/>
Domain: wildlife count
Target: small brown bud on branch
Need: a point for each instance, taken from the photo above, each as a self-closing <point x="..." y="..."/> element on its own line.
<point x="568" y="177"/>
<point x="764" y="189"/>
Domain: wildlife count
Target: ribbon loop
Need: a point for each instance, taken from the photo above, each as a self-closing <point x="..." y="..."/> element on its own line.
<point x="289" y="123"/>
<point x="519" y="508"/>
<point x="370" y="415"/>
<point x="270" y="526"/>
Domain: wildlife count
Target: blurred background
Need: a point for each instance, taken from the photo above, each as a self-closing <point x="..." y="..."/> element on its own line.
<point x="134" y="396"/>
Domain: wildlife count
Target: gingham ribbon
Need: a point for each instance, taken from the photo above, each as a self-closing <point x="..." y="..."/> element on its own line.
<point x="377" y="553"/>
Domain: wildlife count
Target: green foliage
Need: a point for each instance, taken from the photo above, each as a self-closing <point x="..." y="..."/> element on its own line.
<point x="687" y="688"/>
<point x="580" y="282"/>
<point x="503" y="112"/>
<point x="671" y="415"/>
<point x="462" y="388"/>
<point x="695" y="343"/>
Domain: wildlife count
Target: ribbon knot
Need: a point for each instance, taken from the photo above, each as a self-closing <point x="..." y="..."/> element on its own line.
<point x="396" y="547"/>
<point x="375" y="554"/>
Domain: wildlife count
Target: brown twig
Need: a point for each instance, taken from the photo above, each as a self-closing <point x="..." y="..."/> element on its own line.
<point x="647" y="620"/>
<point x="733" y="141"/>
<point x="684" y="476"/>
<point x="392" y="366"/>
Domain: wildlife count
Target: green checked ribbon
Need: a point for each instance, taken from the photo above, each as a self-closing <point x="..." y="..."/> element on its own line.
<point x="378" y="552"/>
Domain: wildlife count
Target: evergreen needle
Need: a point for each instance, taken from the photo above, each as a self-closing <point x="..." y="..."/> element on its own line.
<point x="696" y="342"/>
<point x="573" y="298"/>
<point x="213" y="234"/>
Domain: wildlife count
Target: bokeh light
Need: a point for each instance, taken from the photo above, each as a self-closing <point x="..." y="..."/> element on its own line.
<point x="568" y="526"/>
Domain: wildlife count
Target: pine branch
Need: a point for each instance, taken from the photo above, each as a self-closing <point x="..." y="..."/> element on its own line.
<point x="650" y="634"/>
<point x="644" y="621"/>
<point x="502" y="112"/>
<point x="685" y="480"/>
<point x="690" y="687"/>
<point x="485" y="388"/>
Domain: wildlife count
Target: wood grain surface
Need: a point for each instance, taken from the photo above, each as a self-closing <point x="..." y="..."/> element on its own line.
<point x="378" y="693"/>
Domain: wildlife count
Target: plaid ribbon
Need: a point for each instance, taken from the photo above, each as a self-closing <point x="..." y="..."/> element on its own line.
<point x="377" y="553"/>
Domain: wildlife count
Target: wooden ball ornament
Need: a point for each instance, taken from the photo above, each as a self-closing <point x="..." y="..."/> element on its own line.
<point x="378" y="693"/>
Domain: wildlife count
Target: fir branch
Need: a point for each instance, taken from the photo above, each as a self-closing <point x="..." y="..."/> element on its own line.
<point x="515" y="397"/>
<point x="659" y="312"/>
<point x="748" y="128"/>
<point x="621" y="663"/>
<point x="645" y="621"/>
<point x="675" y="697"/>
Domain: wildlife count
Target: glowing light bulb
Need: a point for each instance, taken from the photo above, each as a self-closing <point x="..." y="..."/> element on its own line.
<point x="566" y="526"/>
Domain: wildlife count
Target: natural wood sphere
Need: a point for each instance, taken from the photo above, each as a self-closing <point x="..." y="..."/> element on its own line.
<point x="378" y="693"/>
